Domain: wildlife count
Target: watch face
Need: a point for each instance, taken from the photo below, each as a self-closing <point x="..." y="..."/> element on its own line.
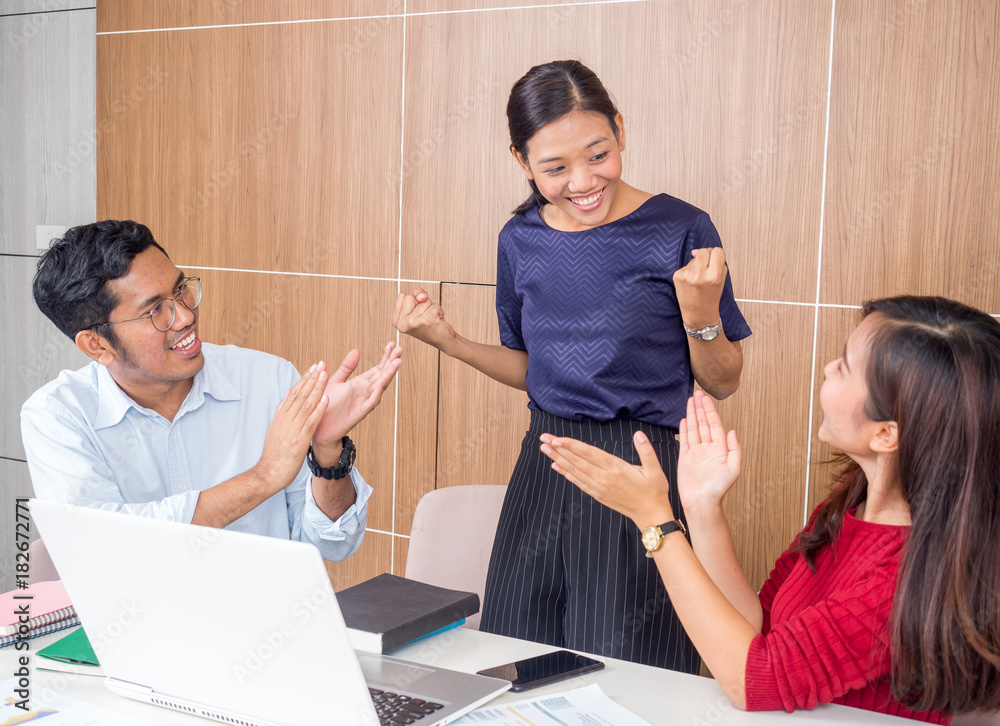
<point x="710" y="334"/>
<point x="650" y="538"/>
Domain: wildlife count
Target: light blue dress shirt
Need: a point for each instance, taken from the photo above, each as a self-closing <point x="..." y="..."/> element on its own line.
<point x="89" y="443"/>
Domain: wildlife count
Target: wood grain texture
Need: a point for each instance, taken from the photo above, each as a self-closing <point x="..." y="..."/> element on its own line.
<point x="47" y="132"/>
<point x="835" y="325"/>
<point x="913" y="190"/>
<point x="124" y="15"/>
<point x="39" y="7"/>
<point x="714" y="114"/>
<point x="306" y="319"/>
<point x="417" y="423"/>
<point x="371" y="559"/>
<point x="480" y="422"/>
<point x="769" y="413"/>
<point x="401" y="545"/>
<point x="40" y="351"/>
<point x="265" y="147"/>
<point x="14" y="482"/>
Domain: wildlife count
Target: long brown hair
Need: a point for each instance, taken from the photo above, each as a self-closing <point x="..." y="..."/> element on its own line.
<point x="934" y="369"/>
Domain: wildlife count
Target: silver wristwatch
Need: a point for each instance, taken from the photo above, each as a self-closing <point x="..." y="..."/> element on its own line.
<point x="709" y="333"/>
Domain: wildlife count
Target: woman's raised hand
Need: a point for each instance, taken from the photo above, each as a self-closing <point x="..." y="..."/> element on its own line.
<point x="709" y="461"/>
<point x="417" y="316"/>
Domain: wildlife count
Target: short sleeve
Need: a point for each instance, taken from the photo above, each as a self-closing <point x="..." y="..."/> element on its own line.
<point x="508" y="303"/>
<point x="703" y="234"/>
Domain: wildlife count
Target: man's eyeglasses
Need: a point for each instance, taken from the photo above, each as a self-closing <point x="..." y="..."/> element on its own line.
<point x="164" y="313"/>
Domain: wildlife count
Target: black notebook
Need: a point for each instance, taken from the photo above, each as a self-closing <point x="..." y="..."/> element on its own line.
<point x="387" y="611"/>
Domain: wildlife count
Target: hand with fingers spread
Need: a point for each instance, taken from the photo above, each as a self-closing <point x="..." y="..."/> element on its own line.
<point x="638" y="492"/>
<point x="291" y="430"/>
<point x="351" y="399"/>
<point x="709" y="461"/>
<point x="699" y="286"/>
<point x="418" y="316"/>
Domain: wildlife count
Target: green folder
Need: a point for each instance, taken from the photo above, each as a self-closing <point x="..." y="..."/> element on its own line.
<point x="73" y="648"/>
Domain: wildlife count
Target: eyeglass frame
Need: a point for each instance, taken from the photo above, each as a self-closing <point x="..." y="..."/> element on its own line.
<point x="173" y="300"/>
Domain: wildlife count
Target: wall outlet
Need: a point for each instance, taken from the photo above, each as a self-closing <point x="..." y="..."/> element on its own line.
<point x="45" y="233"/>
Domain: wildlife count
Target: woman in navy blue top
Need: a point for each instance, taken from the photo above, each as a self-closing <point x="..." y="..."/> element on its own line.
<point x="611" y="303"/>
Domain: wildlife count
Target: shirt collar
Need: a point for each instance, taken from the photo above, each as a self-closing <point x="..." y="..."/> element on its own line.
<point x="114" y="403"/>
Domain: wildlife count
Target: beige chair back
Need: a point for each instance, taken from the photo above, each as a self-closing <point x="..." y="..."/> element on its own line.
<point x="42" y="569"/>
<point x="452" y="537"/>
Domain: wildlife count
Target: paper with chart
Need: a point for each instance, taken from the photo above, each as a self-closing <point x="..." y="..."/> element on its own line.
<point x="588" y="706"/>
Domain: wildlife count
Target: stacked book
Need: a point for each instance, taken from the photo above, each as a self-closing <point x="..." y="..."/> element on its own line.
<point x="388" y="611"/>
<point x="37" y="609"/>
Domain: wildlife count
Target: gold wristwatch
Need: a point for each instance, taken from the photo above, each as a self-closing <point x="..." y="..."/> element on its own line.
<point x="652" y="536"/>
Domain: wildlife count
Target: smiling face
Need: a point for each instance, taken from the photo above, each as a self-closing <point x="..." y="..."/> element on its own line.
<point x="845" y="425"/>
<point x="576" y="164"/>
<point x="148" y="363"/>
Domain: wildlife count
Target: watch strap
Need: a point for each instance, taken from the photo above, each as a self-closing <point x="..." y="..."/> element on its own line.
<point x="709" y="332"/>
<point x="341" y="469"/>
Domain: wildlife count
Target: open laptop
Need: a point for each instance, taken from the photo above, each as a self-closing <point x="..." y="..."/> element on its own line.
<point x="237" y="627"/>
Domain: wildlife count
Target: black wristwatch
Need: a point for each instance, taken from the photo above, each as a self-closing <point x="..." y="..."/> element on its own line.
<point x="343" y="467"/>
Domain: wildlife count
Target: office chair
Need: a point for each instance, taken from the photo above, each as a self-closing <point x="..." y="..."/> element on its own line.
<point x="452" y="537"/>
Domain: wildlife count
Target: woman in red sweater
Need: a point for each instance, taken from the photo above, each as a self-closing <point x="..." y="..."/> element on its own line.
<point x="889" y="600"/>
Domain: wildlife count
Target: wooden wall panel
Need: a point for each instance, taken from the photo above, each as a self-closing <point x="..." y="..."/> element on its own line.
<point x="306" y="319"/>
<point x="417" y="427"/>
<point x="256" y="147"/>
<point x="123" y="15"/>
<point x="277" y="148"/>
<point x="480" y="422"/>
<point x="913" y="189"/>
<point x="714" y="114"/>
<point x="40" y="352"/>
<point x="769" y="413"/>
<point x="373" y="558"/>
<point x="47" y="132"/>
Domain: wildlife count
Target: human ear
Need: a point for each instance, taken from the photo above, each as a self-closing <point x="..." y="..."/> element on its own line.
<point x="94" y="346"/>
<point x="620" y="125"/>
<point x="522" y="162"/>
<point x="885" y="440"/>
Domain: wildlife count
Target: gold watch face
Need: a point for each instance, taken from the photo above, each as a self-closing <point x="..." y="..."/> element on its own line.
<point x="651" y="538"/>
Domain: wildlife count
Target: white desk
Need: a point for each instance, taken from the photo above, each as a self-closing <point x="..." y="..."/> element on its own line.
<point x="661" y="697"/>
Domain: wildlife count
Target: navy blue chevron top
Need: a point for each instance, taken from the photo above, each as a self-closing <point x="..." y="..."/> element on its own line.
<point x="597" y="312"/>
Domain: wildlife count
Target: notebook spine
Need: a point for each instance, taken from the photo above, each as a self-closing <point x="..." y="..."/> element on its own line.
<point x="44" y="629"/>
<point x="45" y="619"/>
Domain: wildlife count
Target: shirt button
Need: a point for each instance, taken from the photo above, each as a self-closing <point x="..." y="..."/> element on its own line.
<point x="171" y="432"/>
<point x="180" y="487"/>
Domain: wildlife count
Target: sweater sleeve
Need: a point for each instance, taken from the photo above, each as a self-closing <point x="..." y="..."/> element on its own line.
<point x="773" y="583"/>
<point x="835" y="646"/>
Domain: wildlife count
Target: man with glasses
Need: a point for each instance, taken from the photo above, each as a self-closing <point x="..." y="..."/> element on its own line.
<point x="163" y="425"/>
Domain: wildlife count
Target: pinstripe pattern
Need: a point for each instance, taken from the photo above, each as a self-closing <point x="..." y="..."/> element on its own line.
<point x="568" y="571"/>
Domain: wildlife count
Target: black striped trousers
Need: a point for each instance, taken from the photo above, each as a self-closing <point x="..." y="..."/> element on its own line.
<point x="567" y="571"/>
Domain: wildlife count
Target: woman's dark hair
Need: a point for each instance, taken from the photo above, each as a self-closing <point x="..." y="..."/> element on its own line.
<point x="70" y="282"/>
<point x="934" y="368"/>
<point x="545" y="94"/>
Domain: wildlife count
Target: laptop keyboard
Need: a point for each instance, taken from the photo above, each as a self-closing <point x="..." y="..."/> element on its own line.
<point x="393" y="708"/>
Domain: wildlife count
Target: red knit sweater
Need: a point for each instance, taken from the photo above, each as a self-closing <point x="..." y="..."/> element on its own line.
<point x="825" y="637"/>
